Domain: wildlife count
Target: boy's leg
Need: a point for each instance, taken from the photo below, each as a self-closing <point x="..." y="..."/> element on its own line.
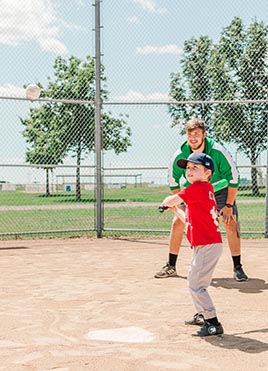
<point x="202" y="267"/>
<point x="175" y="239"/>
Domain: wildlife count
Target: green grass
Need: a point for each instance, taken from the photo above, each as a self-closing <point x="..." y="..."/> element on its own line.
<point x="46" y="220"/>
<point x="30" y="199"/>
<point x="139" y="194"/>
<point x="133" y="194"/>
<point x="251" y="219"/>
<point x="252" y="216"/>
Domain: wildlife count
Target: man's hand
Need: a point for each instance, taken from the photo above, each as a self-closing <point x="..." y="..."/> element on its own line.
<point x="227" y="214"/>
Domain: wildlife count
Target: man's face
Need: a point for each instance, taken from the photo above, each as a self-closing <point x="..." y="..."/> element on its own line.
<point x="195" y="139"/>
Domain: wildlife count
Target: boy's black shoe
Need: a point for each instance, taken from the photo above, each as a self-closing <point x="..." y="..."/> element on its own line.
<point x="209" y="330"/>
<point x="197" y="320"/>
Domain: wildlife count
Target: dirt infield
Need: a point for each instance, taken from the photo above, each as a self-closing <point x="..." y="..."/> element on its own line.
<point x="93" y="304"/>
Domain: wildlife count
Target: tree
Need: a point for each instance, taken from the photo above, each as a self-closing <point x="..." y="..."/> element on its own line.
<point x="245" y="76"/>
<point x="234" y="69"/>
<point x="193" y="82"/>
<point x="75" y="79"/>
<point x="46" y="147"/>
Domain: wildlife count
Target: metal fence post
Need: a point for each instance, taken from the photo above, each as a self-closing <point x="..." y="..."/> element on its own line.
<point x="266" y="194"/>
<point x="98" y="128"/>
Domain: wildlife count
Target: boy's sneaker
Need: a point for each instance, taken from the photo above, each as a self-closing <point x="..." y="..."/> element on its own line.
<point x="239" y="274"/>
<point x="167" y="271"/>
<point x="197" y="320"/>
<point x="208" y="329"/>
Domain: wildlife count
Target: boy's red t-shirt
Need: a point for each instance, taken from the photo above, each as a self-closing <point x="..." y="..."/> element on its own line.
<point x="202" y="223"/>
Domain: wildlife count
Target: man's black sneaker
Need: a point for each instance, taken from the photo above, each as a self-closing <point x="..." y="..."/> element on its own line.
<point x="167" y="271"/>
<point x="208" y="329"/>
<point x="239" y="274"/>
<point x="197" y="320"/>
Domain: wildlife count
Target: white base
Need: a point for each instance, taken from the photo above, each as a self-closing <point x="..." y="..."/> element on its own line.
<point x="124" y="334"/>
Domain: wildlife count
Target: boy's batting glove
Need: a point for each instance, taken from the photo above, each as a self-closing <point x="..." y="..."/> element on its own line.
<point x="171" y="201"/>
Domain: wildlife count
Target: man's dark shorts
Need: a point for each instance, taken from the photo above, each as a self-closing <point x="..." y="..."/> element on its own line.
<point x="221" y="198"/>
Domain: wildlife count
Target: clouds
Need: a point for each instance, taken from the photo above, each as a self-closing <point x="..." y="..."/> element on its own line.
<point x="10" y="90"/>
<point x="164" y="49"/>
<point x="136" y="96"/>
<point x="30" y="20"/>
<point x="151" y="6"/>
<point x="153" y="12"/>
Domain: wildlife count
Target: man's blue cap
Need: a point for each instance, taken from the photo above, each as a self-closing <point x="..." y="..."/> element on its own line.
<point x="197" y="158"/>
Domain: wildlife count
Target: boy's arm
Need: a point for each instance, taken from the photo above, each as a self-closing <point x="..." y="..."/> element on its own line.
<point x="171" y="201"/>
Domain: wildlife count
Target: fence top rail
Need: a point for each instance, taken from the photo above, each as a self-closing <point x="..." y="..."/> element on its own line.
<point x="48" y="166"/>
<point x="251" y="166"/>
<point x="183" y="102"/>
<point x="137" y="168"/>
<point x="93" y="176"/>
<point x="167" y="102"/>
<point x="166" y="167"/>
<point x="109" y="168"/>
<point x="50" y="100"/>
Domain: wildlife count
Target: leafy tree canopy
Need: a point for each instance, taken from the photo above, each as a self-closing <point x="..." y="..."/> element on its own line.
<point x="55" y="129"/>
<point x="236" y="69"/>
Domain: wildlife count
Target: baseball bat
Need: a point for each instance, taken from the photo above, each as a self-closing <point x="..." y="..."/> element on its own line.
<point x="217" y="186"/>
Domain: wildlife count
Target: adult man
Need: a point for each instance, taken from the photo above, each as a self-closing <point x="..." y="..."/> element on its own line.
<point x="225" y="168"/>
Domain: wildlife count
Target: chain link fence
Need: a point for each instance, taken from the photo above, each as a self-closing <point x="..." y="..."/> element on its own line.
<point x="49" y="169"/>
<point x="41" y="193"/>
<point x="43" y="197"/>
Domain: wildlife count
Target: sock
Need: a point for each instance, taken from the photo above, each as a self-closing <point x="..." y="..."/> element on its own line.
<point x="172" y="259"/>
<point x="236" y="260"/>
<point x="213" y="321"/>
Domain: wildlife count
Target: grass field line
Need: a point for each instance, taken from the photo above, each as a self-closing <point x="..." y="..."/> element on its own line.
<point x="106" y="205"/>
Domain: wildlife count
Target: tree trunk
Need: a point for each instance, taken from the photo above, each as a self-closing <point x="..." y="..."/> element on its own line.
<point x="47" y="182"/>
<point x="78" y="184"/>
<point x="254" y="179"/>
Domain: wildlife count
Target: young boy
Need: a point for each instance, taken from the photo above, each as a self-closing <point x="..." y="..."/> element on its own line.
<point x="202" y="231"/>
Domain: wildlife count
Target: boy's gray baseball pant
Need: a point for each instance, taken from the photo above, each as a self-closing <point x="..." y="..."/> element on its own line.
<point x="205" y="258"/>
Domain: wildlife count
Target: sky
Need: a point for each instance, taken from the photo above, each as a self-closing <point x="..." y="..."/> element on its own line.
<point x="141" y="44"/>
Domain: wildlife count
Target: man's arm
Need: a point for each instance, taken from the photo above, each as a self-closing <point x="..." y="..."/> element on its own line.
<point x="227" y="212"/>
<point x="175" y="172"/>
<point x="231" y="195"/>
<point x="228" y="169"/>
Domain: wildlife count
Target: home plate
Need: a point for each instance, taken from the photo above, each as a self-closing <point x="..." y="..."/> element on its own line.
<point x="124" y="334"/>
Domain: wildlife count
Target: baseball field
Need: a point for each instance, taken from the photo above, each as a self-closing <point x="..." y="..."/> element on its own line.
<point x="94" y="304"/>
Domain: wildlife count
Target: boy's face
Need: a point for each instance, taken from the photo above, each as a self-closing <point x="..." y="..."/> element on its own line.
<point x="197" y="172"/>
<point x="195" y="138"/>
